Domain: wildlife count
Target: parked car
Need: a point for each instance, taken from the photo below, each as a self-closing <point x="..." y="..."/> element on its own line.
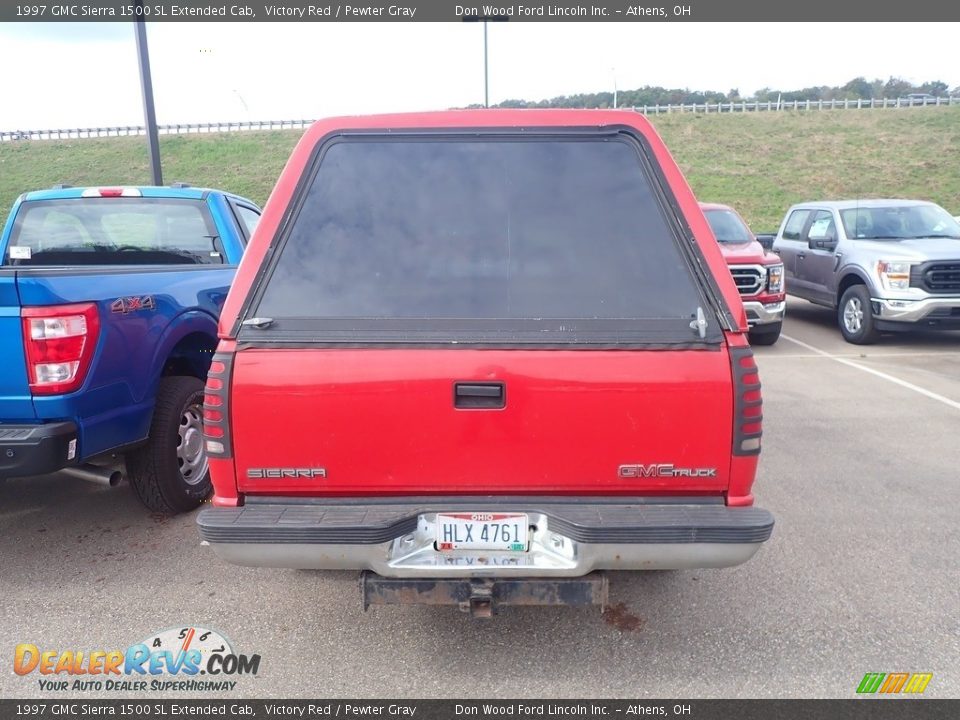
<point x="884" y="265"/>
<point x="479" y="355"/>
<point x="757" y="273"/>
<point x="109" y="299"/>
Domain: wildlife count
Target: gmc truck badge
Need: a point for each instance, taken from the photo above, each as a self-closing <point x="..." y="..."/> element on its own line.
<point x="664" y="470"/>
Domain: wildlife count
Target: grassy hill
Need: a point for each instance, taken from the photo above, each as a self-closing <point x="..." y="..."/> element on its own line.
<point x="758" y="162"/>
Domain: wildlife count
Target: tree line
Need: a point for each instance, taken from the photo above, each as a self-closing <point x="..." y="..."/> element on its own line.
<point x="857" y="89"/>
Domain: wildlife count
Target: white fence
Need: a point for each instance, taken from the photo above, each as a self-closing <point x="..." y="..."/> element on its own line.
<point x="177" y="129"/>
<point x="221" y="127"/>
<point x="774" y="105"/>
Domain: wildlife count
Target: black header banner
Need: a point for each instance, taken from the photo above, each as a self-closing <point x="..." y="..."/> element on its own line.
<point x="72" y="708"/>
<point x="472" y="10"/>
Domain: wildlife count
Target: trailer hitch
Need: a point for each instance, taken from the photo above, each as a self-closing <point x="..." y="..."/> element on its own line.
<point x="482" y="596"/>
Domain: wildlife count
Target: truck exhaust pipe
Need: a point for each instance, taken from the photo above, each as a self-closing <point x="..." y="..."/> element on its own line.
<point x="95" y="474"/>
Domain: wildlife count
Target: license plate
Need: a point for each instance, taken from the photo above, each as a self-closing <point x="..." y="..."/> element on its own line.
<point x="482" y="531"/>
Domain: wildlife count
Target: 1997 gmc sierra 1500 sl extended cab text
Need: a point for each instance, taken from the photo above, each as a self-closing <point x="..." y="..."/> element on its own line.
<point x="479" y="355"/>
<point x="109" y="299"/>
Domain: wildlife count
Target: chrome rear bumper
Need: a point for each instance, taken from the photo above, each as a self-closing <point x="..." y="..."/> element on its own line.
<point x="565" y="540"/>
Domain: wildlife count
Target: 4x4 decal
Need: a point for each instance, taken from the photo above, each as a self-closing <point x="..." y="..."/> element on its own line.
<point x="126" y="305"/>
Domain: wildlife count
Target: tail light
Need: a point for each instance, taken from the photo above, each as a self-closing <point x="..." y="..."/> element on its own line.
<point x="747" y="402"/>
<point x="216" y="415"/>
<point x="59" y="341"/>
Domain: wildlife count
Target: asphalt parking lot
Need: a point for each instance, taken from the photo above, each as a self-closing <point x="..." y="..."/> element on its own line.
<point x="860" y="468"/>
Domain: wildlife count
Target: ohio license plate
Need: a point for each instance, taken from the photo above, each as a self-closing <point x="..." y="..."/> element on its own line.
<point x="482" y="531"/>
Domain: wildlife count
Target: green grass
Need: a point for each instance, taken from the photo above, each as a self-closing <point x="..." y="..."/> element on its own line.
<point x="758" y="162"/>
<point x="761" y="163"/>
<point x="246" y="163"/>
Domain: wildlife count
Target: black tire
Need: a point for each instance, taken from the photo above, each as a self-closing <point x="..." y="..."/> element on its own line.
<point x="766" y="334"/>
<point x="855" y="316"/>
<point x="163" y="481"/>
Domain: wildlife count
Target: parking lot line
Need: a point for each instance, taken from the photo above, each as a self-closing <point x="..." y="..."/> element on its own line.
<point x="890" y="378"/>
<point x="870" y="356"/>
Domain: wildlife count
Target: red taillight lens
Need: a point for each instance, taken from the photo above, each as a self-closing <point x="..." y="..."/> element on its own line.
<point x="216" y="415"/>
<point x="59" y="342"/>
<point x="747" y="402"/>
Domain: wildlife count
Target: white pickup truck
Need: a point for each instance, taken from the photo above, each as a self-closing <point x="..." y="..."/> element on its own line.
<point x="883" y="265"/>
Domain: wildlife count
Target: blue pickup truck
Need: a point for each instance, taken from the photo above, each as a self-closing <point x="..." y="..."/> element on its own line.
<point x="109" y="299"/>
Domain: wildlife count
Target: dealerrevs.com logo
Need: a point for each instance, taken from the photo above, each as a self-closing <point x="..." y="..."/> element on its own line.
<point x="186" y="659"/>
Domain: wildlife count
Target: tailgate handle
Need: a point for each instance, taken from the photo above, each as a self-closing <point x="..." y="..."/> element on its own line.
<point x="479" y="395"/>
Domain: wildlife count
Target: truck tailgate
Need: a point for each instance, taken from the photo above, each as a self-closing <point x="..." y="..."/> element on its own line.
<point x="16" y="404"/>
<point x="136" y="306"/>
<point x="386" y="421"/>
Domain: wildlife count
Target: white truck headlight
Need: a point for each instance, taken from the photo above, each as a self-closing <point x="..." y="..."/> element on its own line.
<point x="894" y="275"/>
<point x="775" y="278"/>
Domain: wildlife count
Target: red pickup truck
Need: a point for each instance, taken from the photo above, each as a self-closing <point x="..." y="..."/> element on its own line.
<point x="757" y="273"/>
<point x="480" y="355"/>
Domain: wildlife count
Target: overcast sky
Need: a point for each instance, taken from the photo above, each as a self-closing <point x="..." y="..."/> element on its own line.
<point x="85" y="74"/>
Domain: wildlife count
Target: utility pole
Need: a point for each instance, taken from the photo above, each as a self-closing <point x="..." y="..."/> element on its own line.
<point x="486" y="70"/>
<point x="486" y="51"/>
<point x="146" y="87"/>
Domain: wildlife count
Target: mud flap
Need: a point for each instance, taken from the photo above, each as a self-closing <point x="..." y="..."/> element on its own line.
<point x="481" y="597"/>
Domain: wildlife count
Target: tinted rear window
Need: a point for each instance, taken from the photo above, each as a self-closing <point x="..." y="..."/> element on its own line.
<point x="479" y="230"/>
<point x="113" y="231"/>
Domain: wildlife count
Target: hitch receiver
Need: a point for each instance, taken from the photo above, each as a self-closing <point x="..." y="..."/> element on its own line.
<point x="482" y="596"/>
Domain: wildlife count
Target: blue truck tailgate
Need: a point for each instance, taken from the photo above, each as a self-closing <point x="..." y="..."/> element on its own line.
<point x="16" y="403"/>
<point x="117" y="396"/>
